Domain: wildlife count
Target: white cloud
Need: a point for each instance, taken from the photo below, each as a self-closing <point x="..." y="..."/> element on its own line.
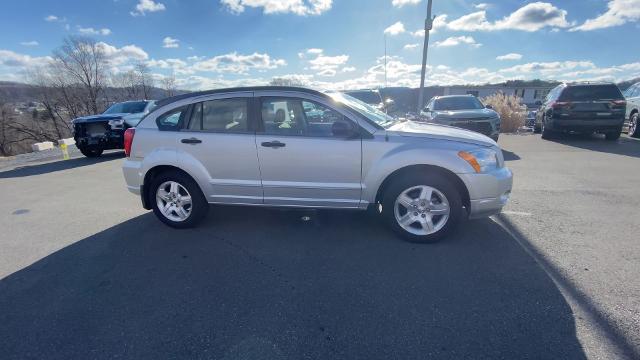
<point x="481" y="6"/>
<point x="457" y="40"/>
<point x="147" y="6"/>
<point x="12" y="59"/>
<point x="236" y="63"/>
<point x="549" y="68"/>
<point x="298" y="7"/>
<point x="411" y="46"/>
<point x="30" y="43"/>
<point x="177" y="66"/>
<point x="531" y="17"/>
<point x="401" y="3"/>
<point x="53" y="18"/>
<point x="511" y="56"/>
<point x="327" y="65"/>
<point x="619" y="12"/>
<point x="170" y="43"/>
<point x="122" y="56"/>
<point x="92" y="31"/>
<point x="395" y="29"/>
<point x="348" y="69"/>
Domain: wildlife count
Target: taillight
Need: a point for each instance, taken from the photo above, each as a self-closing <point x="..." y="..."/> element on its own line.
<point x="561" y="105"/>
<point x="128" y="140"/>
<point x="619" y="102"/>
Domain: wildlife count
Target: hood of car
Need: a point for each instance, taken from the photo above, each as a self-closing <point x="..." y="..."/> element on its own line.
<point x="435" y="131"/>
<point x="478" y="114"/>
<point x="130" y="119"/>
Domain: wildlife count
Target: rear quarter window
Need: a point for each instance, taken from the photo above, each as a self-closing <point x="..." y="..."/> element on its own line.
<point x="591" y="93"/>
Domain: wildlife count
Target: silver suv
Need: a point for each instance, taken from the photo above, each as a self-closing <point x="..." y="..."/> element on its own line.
<point x="301" y="148"/>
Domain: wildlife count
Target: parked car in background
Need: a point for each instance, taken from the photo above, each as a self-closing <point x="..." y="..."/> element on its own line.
<point x="260" y="147"/>
<point x="373" y="98"/>
<point x="531" y="119"/>
<point x="97" y="133"/>
<point x="585" y="107"/>
<point x="632" y="95"/>
<point x="463" y="111"/>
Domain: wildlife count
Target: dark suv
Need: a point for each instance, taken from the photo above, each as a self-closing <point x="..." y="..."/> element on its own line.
<point x="582" y="107"/>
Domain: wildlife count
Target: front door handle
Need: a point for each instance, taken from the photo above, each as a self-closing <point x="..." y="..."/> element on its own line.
<point x="192" y="141"/>
<point x="273" y="144"/>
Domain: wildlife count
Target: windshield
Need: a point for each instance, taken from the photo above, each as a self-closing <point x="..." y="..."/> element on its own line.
<point x="457" y="103"/>
<point x="127" y="108"/>
<point x="369" y="97"/>
<point x="368" y="111"/>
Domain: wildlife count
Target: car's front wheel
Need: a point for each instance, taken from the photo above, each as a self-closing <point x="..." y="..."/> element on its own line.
<point x="91" y="152"/>
<point x="634" y="131"/>
<point x="422" y="208"/>
<point x="177" y="200"/>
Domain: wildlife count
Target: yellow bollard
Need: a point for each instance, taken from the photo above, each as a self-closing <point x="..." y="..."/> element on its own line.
<point x="65" y="151"/>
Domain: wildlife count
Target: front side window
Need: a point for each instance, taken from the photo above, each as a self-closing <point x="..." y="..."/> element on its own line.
<point x="225" y="115"/>
<point x="289" y="116"/>
<point x="172" y="120"/>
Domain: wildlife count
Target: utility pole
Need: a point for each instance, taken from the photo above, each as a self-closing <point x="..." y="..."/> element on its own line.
<point x="428" y="25"/>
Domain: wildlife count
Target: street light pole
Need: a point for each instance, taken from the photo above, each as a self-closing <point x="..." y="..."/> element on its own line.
<point x="428" y="25"/>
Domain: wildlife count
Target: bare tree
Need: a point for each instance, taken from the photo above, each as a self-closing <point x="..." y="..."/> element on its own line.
<point x="82" y="61"/>
<point x="168" y="84"/>
<point x="145" y="80"/>
<point x="286" y="81"/>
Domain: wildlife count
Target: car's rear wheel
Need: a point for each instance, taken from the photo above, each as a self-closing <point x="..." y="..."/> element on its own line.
<point x="634" y="131"/>
<point x="177" y="200"/>
<point x="537" y="129"/>
<point x="613" y="135"/>
<point x="422" y="208"/>
<point x="546" y="132"/>
<point x="91" y="152"/>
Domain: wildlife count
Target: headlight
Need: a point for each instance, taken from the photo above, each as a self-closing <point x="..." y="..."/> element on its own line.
<point x="116" y="123"/>
<point x="481" y="160"/>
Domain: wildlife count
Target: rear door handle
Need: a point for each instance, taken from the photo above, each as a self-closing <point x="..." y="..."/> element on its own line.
<point x="273" y="144"/>
<point x="191" y="141"/>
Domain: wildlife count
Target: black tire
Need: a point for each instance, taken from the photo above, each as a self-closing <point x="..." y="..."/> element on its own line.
<point x="537" y="129"/>
<point x="199" y="205"/>
<point x="434" y="180"/>
<point x="613" y="135"/>
<point x="546" y="132"/>
<point x="91" y="152"/>
<point x="634" y="126"/>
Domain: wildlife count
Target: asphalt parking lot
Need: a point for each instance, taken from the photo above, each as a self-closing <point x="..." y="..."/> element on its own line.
<point x="86" y="273"/>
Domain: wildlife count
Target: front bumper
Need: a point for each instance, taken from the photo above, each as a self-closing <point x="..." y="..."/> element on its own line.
<point x="488" y="193"/>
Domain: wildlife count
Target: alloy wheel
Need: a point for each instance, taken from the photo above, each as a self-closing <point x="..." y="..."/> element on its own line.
<point x="633" y="125"/>
<point x="174" y="201"/>
<point x="422" y="210"/>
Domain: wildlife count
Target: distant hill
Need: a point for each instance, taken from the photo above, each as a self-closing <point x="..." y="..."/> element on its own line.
<point x="14" y="92"/>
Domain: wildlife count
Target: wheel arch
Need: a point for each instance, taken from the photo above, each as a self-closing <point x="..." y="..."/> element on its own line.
<point x="425" y="169"/>
<point x="151" y="174"/>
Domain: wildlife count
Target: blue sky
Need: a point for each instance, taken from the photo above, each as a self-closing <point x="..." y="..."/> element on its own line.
<point x="333" y="43"/>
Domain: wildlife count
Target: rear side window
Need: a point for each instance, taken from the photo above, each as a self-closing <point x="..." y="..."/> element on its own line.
<point x="225" y="115"/>
<point x="172" y="120"/>
<point x="591" y="93"/>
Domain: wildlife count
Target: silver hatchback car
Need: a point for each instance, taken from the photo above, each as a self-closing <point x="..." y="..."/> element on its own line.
<point x="301" y="148"/>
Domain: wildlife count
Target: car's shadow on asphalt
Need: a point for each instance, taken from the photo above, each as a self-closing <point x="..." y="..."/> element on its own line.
<point x="626" y="145"/>
<point x="60" y="165"/>
<point x="264" y="284"/>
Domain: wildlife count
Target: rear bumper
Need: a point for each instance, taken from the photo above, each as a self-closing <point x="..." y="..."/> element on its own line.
<point x="488" y="193"/>
<point x="585" y="124"/>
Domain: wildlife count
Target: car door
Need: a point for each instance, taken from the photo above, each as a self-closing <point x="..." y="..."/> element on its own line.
<point x="220" y="138"/>
<point x="306" y="157"/>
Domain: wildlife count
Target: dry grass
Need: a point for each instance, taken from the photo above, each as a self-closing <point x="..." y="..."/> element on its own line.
<point x="512" y="112"/>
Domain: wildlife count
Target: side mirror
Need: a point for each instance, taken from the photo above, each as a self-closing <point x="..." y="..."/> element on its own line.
<point x="490" y="107"/>
<point x="538" y="103"/>
<point x="343" y="129"/>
